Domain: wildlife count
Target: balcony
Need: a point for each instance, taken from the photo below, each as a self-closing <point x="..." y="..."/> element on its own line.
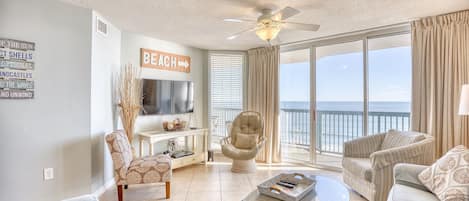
<point x="332" y="130"/>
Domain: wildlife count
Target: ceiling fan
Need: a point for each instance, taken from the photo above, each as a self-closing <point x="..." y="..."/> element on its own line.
<point x="269" y="24"/>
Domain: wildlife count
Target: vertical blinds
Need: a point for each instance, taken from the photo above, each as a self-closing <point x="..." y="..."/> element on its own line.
<point x="226" y="87"/>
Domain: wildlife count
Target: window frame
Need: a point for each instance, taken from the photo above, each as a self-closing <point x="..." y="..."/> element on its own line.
<point x="209" y="84"/>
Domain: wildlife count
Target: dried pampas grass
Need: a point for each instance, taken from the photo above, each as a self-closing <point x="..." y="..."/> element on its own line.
<point x="129" y="95"/>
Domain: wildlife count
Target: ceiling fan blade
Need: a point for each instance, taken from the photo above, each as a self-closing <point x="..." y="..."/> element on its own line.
<point x="300" y="26"/>
<point x="285" y="13"/>
<point x="237" y="20"/>
<point x="236" y="35"/>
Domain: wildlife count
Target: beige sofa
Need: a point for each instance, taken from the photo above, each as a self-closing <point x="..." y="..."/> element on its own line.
<point x="368" y="162"/>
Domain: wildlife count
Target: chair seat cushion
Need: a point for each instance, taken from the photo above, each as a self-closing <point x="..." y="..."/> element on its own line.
<point x="360" y="167"/>
<point x="405" y="193"/>
<point x="151" y="169"/>
<point x="238" y="154"/>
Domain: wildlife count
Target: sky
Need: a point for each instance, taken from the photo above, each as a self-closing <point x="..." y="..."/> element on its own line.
<point x="340" y="77"/>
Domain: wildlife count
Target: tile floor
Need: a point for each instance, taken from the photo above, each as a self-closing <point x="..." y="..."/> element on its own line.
<point x="214" y="182"/>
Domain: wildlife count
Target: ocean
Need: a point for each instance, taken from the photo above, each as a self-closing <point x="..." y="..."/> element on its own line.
<point x="349" y="106"/>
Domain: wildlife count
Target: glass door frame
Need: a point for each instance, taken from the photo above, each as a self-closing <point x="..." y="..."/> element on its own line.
<point x="363" y="36"/>
<point x="314" y="94"/>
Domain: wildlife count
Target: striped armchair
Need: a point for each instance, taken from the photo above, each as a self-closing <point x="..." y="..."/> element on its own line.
<point x="368" y="161"/>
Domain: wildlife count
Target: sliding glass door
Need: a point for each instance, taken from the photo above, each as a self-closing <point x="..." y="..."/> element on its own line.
<point x="295" y="112"/>
<point x="336" y="91"/>
<point x="339" y="99"/>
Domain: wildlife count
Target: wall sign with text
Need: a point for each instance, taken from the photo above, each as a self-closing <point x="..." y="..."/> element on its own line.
<point x="16" y="65"/>
<point x="164" y="61"/>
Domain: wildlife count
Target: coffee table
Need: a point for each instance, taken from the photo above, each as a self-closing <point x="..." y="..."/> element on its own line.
<point x="326" y="189"/>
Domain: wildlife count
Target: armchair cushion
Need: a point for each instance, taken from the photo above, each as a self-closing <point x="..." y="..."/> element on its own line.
<point x="151" y="169"/>
<point x="360" y="167"/>
<point x="448" y="178"/>
<point x="406" y="193"/>
<point x="246" y="124"/>
<point x="397" y="139"/>
<point x="246" y="141"/>
<point x="231" y="151"/>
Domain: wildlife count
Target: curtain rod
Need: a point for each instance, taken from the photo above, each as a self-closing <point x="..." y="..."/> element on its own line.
<point x="348" y="33"/>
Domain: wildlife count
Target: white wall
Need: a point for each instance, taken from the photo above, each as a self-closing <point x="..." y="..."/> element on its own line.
<point x="131" y="44"/>
<point x="63" y="127"/>
<point x="124" y="48"/>
<point x="51" y="130"/>
<point x="105" y="61"/>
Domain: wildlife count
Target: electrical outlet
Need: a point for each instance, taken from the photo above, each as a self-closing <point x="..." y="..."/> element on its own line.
<point x="48" y="173"/>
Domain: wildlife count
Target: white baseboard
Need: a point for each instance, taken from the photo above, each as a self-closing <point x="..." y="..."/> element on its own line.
<point x="108" y="184"/>
<point x="83" y="198"/>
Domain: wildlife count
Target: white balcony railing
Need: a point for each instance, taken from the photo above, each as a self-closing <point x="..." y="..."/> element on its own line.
<point x="332" y="130"/>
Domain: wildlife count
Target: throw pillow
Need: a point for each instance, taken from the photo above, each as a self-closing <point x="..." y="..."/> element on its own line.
<point x="448" y="177"/>
<point x="245" y="141"/>
<point x="398" y="138"/>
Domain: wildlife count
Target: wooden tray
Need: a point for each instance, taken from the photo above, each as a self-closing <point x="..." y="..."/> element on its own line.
<point x="303" y="186"/>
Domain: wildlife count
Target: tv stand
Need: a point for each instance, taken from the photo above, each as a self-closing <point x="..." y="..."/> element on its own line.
<point x="200" y="153"/>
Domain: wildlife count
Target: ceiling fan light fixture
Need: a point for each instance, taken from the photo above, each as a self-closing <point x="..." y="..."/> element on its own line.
<point x="269" y="24"/>
<point x="268" y="33"/>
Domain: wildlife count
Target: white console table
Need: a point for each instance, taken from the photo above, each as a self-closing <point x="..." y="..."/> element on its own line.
<point x="152" y="137"/>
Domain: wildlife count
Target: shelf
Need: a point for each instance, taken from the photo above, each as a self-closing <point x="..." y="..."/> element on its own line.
<point x="187" y="160"/>
<point x="152" y="137"/>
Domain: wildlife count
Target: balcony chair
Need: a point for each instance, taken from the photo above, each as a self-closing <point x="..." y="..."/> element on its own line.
<point x="245" y="140"/>
<point x="129" y="170"/>
<point x="368" y="162"/>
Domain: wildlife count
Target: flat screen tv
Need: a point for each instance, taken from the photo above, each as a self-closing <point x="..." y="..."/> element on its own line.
<point x="167" y="97"/>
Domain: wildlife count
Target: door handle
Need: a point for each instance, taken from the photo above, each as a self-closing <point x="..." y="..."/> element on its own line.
<point x="314" y="114"/>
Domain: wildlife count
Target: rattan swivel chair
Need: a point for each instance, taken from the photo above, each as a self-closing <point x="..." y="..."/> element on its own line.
<point x="245" y="140"/>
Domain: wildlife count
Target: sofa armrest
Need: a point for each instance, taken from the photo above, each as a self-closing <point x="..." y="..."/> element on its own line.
<point x="419" y="152"/>
<point x="407" y="174"/>
<point x="364" y="146"/>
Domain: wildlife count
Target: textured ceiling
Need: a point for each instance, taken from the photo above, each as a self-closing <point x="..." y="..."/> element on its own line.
<point x="199" y="23"/>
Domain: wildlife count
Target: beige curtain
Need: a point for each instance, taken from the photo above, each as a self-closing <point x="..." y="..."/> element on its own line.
<point x="440" y="67"/>
<point x="263" y="97"/>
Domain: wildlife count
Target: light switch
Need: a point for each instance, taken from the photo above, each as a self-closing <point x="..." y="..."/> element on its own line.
<point x="48" y="173"/>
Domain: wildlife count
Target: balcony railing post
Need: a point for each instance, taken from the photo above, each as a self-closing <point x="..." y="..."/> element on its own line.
<point x="319" y="131"/>
<point x="379" y="124"/>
